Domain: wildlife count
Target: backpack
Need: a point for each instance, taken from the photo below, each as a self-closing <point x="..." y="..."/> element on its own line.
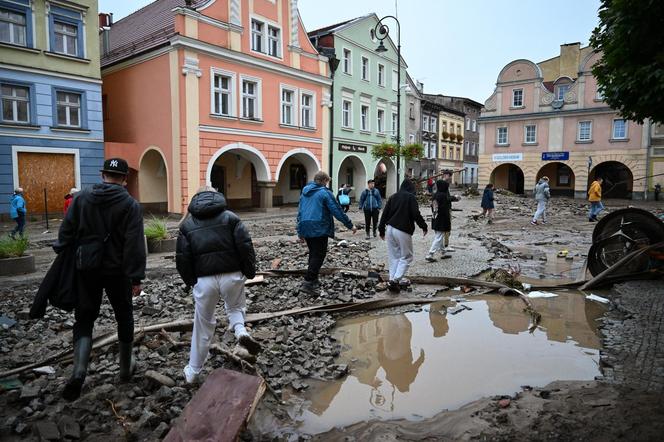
<point x="344" y="199"/>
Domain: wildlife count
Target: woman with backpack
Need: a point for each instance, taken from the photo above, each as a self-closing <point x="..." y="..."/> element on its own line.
<point x="343" y="197"/>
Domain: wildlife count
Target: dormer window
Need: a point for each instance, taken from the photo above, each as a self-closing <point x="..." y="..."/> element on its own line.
<point x="265" y="38"/>
<point x="561" y="90"/>
<point x="517" y="97"/>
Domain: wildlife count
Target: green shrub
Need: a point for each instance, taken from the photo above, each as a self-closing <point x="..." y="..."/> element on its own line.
<point x="155" y="229"/>
<point x="13" y="247"/>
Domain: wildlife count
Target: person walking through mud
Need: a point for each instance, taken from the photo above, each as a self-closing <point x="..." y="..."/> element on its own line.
<point x="370" y="204"/>
<point x="216" y="256"/>
<point x="595" y="199"/>
<point x="343" y="197"/>
<point x="441" y="222"/>
<point x="542" y="196"/>
<point x="105" y="225"/>
<point x="17" y="212"/>
<point x="315" y="224"/>
<point x="488" y="203"/>
<point x="397" y="225"/>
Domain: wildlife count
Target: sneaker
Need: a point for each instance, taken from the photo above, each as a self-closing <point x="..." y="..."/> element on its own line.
<point x="367" y="237"/>
<point x="393" y="286"/>
<point x="430" y="258"/>
<point x="449" y="249"/>
<point x="533" y="222"/>
<point x="543" y="222"/>
<point x="249" y="343"/>
<point x="309" y="288"/>
<point x="190" y="375"/>
<point x="404" y="282"/>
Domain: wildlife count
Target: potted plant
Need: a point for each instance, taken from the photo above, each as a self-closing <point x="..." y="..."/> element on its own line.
<point x="384" y="150"/>
<point x="452" y="136"/>
<point x="459" y="138"/>
<point x="13" y="260"/>
<point x="412" y="151"/>
<point x="158" y="238"/>
<point x="446" y="135"/>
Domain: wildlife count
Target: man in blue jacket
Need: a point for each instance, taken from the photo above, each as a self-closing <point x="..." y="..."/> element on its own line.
<point x="315" y="225"/>
<point x="370" y="203"/>
<point x="17" y="211"/>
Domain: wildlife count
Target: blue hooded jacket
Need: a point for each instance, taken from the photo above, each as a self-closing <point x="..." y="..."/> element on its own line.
<point x="16" y="205"/>
<point x="315" y="212"/>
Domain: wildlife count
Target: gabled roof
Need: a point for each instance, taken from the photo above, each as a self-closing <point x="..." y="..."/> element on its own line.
<point x="148" y="28"/>
<point x="331" y="29"/>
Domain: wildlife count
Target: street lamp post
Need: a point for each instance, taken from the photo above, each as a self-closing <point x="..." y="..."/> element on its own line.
<point x="381" y="32"/>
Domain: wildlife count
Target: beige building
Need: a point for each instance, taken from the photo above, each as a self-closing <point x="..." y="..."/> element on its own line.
<point x="451" y="130"/>
<point x="549" y="118"/>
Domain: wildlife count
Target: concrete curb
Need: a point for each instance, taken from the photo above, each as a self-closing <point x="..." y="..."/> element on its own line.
<point x="17" y="266"/>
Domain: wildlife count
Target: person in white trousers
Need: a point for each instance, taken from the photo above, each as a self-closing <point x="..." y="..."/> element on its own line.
<point x="215" y="254"/>
<point x="441" y="222"/>
<point x="396" y="226"/>
<point x="542" y="196"/>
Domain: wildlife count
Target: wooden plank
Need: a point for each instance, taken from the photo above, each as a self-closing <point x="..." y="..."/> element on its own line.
<point x="220" y="409"/>
<point x="51" y="171"/>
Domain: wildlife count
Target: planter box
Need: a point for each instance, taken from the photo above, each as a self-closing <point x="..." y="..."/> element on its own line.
<point x="17" y="266"/>
<point x="162" y="245"/>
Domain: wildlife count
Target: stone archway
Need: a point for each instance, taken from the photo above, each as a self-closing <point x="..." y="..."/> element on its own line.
<point x="618" y="179"/>
<point x="242" y="173"/>
<point x="295" y="169"/>
<point x="351" y="171"/>
<point x="385" y="174"/>
<point x="508" y="176"/>
<point x="153" y="181"/>
<point x="561" y="178"/>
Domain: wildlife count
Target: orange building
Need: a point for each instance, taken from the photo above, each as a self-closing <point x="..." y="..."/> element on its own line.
<point x="228" y="93"/>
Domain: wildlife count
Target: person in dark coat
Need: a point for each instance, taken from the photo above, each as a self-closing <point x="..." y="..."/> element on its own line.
<point x="216" y="256"/>
<point x="396" y="226"/>
<point x="105" y="226"/>
<point x="370" y="204"/>
<point x="315" y="224"/>
<point x="441" y="222"/>
<point x="487" y="202"/>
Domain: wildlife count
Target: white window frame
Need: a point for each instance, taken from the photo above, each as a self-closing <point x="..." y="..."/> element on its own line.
<point x="432" y="123"/>
<point x="394" y="122"/>
<point x="347" y="62"/>
<point x="258" y="111"/>
<point x="558" y="88"/>
<point x="52" y="150"/>
<point x="265" y="37"/>
<point x="467" y="123"/>
<point x="613" y="129"/>
<point x="232" y="98"/>
<point x="395" y="80"/>
<point x="380" y="121"/>
<point x="15" y="99"/>
<point x="525" y="134"/>
<point x="348" y="112"/>
<point x="68" y="107"/>
<point x="293" y="105"/>
<point x="365" y="124"/>
<point x="514" y="93"/>
<point x="425" y="123"/>
<point x="271" y="39"/>
<point x="380" y="75"/>
<point x="590" y="131"/>
<point x="507" y="136"/>
<point x="474" y="125"/>
<point x="63" y="35"/>
<point x="12" y="28"/>
<point x="366" y="76"/>
<point x="312" y="109"/>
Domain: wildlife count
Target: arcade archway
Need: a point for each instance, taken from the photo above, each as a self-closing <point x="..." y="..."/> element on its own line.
<point x="561" y="178"/>
<point x="508" y="176"/>
<point x="618" y="179"/>
<point x="153" y="182"/>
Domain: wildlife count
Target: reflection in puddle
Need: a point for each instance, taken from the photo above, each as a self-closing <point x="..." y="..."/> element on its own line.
<point x="415" y="365"/>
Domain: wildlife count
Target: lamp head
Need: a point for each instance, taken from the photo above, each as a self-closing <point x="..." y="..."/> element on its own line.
<point x="381" y="47"/>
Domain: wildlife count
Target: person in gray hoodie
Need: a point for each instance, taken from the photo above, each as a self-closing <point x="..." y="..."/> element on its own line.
<point x="542" y="196"/>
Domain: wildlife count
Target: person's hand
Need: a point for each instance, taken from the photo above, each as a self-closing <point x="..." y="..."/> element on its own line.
<point x="354" y="229"/>
<point x="136" y="290"/>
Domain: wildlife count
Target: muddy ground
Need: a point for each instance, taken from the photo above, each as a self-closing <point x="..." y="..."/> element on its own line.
<point x="622" y="404"/>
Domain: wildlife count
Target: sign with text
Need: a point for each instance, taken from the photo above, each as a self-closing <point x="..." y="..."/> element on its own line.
<point x="352" y="148"/>
<point x="555" y="156"/>
<point x="506" y="157"/>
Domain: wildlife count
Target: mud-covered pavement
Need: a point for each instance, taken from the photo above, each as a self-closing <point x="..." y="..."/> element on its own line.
<point x="302" y="353"/>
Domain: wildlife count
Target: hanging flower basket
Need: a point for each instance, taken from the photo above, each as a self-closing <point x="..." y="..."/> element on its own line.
<point x="384" y="150"/>
<point x="459" y="138"/>
<point x="412" y="151"/>
<point x="452" y="137"/>
<point x="446" y="135"/>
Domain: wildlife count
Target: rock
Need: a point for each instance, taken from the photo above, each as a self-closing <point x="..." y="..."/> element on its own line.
<point x="23" y="314"/>
<point x="148" y="418"/>
<point x="149" y="311"/>
<point x="160" y="431"/>
<point x="160" y="378"/>
<point x="44" y="370"/>
<point x="30" y="391"/>
<point x="46" y="430"/>
<point x="163" y="393"/>
<point x="20" y="428"/>
<point x="504" y="403"/>
<point x="69" y="428"/>
<point x="299" y="385"/>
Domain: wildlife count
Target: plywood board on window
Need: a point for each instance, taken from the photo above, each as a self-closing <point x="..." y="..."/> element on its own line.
<point x="51" y="171"/>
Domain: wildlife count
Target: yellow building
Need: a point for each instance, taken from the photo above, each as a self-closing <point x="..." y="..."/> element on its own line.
<point x="450" y="153"/>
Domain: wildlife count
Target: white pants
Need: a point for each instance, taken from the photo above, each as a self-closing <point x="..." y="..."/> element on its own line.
<point x="541" y="211"/>
<point x="399" y="252"/>
<point x="207" y="291"/>
<point x="440" y="241"/>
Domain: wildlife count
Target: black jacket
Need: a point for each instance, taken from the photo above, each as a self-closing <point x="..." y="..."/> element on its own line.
<point x="59" y="286"/>
<point x="442" y="201"/>
<point x="402" y="211"/>
<point x="107" y="209"/>
<point x="213" y="240"/>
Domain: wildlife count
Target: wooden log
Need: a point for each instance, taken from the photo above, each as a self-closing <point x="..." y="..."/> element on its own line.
<point x="220" y="409"/>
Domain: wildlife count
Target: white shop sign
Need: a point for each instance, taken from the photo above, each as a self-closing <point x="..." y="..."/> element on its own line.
<point x="506" y="157"/>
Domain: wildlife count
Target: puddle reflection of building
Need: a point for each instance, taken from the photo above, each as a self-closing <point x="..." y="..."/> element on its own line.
<point x="375" y="344"/>
<point x="567" y="316"/>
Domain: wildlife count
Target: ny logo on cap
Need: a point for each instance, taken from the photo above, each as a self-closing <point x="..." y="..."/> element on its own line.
<point x="114" y="163"/>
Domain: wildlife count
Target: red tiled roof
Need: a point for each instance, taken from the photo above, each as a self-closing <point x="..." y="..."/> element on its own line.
<point x="147" y="28"/>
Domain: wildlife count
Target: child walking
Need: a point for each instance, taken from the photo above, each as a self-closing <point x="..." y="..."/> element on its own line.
<point x="441" y="222"/>
<point x="487" y="203"/>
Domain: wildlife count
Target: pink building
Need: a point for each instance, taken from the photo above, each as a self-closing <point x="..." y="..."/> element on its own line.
<point x="549" y="119"/>
<point x="227" y="93"/>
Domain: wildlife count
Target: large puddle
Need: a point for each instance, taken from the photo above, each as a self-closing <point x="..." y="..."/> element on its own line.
<point x="414" y="365"/>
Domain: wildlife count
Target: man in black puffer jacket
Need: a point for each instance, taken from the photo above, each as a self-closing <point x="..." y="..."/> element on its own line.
<point x="215" y="255"/>
<point x="396" y="227"/>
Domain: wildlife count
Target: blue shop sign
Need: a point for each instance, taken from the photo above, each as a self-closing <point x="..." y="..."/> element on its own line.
<point x="555" y="156"/>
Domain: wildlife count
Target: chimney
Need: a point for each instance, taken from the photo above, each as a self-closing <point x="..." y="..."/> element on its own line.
<point x="105" y="20"/>
<point x="570" y="55"/>
<point x="105" y="23"/>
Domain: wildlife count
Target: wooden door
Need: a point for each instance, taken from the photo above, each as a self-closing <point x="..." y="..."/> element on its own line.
<point x="51" y="171"/>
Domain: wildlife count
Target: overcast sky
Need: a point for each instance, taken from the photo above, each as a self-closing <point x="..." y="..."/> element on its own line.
<point x="455" y="47"/>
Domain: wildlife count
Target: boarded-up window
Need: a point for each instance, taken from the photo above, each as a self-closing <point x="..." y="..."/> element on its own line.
<point x="51" y="171"/>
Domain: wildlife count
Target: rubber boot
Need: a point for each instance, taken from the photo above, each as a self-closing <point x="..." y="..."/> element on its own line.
<point x="127" y="362"/>
<point x="82" y="348"/>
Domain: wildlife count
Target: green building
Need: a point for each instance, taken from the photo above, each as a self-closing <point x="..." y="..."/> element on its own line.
<point x="364" y="102"/>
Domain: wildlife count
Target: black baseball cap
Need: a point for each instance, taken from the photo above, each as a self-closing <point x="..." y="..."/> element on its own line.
<point x="115" y="165"/>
